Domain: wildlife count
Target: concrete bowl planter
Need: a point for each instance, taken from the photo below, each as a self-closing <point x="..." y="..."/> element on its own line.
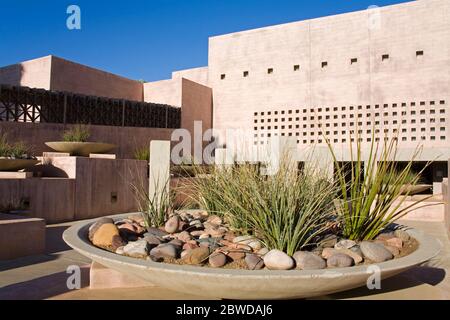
<point x="16" y="164"/>
<point x="83" y="149"/>
<point x="415" y="189"/>
<point x="247" y="284"/>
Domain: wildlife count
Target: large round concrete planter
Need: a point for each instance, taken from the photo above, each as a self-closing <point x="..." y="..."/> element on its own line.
<point x="246" y="284"/>
<point x="415" y="189"/>
<point x="83" y="149"/>
<point x="16" y="164"/>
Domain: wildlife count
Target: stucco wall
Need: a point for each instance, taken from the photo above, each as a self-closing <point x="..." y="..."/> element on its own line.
<point x="74" y="77"/>
<point x="33" y="73"/>
<point x="126" y="138"/>
<point x="199" y="75"/>
<point x="164" y="91"/>
<point x="406" y="82"/>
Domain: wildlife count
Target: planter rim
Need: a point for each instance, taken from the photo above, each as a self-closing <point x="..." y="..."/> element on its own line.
<point x="76" y="237"/>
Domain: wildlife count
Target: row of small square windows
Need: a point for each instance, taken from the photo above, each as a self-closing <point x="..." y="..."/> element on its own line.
<point x="351" y="116"/>
<point x="344" y="140"/>
<point x="343" y="124"/>
<point x="344" y="132"/>
<point x="344" y="108"/>
<point x="324" y="64"/>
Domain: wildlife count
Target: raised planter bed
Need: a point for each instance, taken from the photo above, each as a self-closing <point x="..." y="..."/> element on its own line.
<point x="83" y="149"/>
<point x="247" y="284"/>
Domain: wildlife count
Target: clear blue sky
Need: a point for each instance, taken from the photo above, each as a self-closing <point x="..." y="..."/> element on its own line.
<point x="145" y="39"/>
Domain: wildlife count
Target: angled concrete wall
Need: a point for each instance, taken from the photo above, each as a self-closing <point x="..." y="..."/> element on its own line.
<point x="33" y="73"/>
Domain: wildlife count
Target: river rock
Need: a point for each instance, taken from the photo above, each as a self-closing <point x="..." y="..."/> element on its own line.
<point x="217" y="260"/>
<point x="216" y="220"/>
<point x="254" y="262"/>
<point x="196" y="224"/>
<point x="178" y="244"/>
<point x="165" y="250"/>
<point x="236" y="255"/>
<point x="120" y="251"/>
<point x="196" y="256"/>
<point x="329" y="241"/>
<point x="309" y="261"/>
<point x="136" y="249"/>
<point x="105" y="234"/>
<point x="255" y="245"/>
<point x="345" y="244"/>
<point x="278" y="260"/>
<point x="152" y="240"/>
<point x="395" y="242"/>
<point x="385" y="236"/>
<point x="375" y="252"/>
<point x="402" y="234"/>
<point x="328" y="252"/>
<point x="171" y="225"/>
<point x="189" y="246"/>
<point x="262" y="251"/>
<point x="394" y="250"/>
<point x="197" y="233"/>
<point x="184" y="236"/>
<point x="155" y="232"/>
<point x="340" y="260"/>
<point x="357" y="257"/>
<point x="94" y="227"/>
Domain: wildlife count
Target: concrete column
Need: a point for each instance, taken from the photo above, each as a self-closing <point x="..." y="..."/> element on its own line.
<point x="159" y="178"/>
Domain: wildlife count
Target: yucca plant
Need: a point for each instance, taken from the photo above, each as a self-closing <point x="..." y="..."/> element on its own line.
<point x="78" y="133"/>
<point x="372" y="192"/>
<point x="286" y="210"/>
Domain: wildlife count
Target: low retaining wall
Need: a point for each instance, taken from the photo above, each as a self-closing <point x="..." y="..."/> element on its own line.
<point x="127" y="139"/>
<point x="20" y="237"/>
<point x="80" y="188"/>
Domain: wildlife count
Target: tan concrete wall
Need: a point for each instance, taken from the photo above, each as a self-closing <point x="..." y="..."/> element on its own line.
<point x="33" y="73"/>
<point x="50" y="199"/>
<point x="164" y="91"/>
<point x="196" y="106"/>
<point x="79" y="188"/>
<point x="199" y="75"/>
<point x="20" y="237"/>
<point x="126" y="138"/>
<point x="74" y="77"/>
<point x="342" y="94"/>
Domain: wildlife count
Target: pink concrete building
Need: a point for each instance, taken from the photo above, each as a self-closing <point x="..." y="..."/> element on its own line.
<point x="382" y="71"/>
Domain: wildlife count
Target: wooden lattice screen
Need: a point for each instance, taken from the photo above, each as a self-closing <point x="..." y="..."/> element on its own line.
<point x="23" y="104"/>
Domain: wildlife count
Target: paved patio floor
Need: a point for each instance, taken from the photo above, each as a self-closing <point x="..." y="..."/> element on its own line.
<point x="45" y="276"/>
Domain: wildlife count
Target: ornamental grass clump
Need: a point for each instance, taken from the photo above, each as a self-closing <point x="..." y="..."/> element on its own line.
<point x="287" y="210"/>
<point x="372" y="192"/>
<point x="156" y="207"/>
<point x="16" y="150"/>
<point x="79" y="133"/>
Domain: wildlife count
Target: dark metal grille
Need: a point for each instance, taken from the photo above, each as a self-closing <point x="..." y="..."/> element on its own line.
<point x="22" y="104"/>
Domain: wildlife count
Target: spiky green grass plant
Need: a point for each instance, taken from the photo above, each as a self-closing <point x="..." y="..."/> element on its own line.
<point x="78" y="133"/>
<point x="155" y="208"/>
<point x="372" y="192"/>
<point x="16" y="150"/>
<point x="286" y="210"/>
<point x="142" y="153"/>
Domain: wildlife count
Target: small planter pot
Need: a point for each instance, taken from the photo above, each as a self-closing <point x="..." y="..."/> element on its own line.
<point x="248" y="284"/>
<point x="16" y="164"/>
<point x="83" y="149"/>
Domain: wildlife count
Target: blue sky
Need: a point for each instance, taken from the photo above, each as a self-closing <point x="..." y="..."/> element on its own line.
<point x="145" y="39"/>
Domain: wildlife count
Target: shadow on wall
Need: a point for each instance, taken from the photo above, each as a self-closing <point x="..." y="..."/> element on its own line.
<point x="10" y="75"/>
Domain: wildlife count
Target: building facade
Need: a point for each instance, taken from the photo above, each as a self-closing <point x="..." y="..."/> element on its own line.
<point x="381" y="72"/>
